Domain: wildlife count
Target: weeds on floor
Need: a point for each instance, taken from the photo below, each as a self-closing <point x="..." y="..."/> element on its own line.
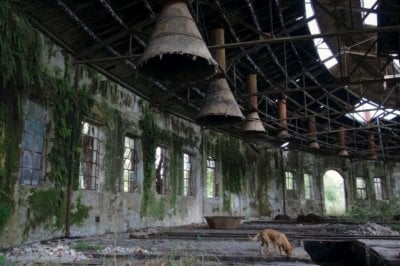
<point x="81" y="246"/>
<point x="379" y="210"/>
<point x="2" y="260"/>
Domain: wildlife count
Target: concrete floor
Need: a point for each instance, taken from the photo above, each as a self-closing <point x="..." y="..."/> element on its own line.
<point x="198" y="245"/>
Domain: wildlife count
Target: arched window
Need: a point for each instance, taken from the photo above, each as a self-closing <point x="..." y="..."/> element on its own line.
<point x="334" y="193"/>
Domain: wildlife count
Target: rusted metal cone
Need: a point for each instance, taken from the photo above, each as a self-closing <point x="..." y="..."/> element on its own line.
<point x="176" y="52"/>
<point x="314" y="145"/>
<point x="343" y="153"/>
<point x="219" y="107"/>
<point x="253" y="124"/>
<point x="283" y="134"/>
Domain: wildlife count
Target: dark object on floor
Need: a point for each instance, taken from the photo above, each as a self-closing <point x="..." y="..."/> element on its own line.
<point x="282" y="217"/>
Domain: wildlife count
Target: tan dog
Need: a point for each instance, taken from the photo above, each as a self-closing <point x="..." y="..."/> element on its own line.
<point x="276" y="238"/>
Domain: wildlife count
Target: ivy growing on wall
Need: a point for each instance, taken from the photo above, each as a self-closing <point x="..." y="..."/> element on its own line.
<point x="23" y="74"/>
<point x="149" y="136"/>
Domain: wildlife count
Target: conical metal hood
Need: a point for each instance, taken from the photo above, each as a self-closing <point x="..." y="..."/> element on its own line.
<point x="219" y="107"/>
<point x="176" y="52"/>
<point x="342" y="142"/>
<point x="253" y="123"/>
<point x="312" y="130"/>
<point x="283" y="132"/>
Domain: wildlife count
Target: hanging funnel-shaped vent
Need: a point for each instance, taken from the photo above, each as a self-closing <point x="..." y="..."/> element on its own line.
<point x="253" y="123"/>
<point x="219" y="107"/>
<point x="342" y="142"/>
<point x="283" y="132"/>
<point x="176" y="52"/>
<point x="372" y="147"/>
<point x="312" y="130"/>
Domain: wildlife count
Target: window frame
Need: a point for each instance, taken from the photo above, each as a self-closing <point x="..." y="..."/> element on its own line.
<point x="129" y="173"/>
<point x="361" y="191"/>
<point x="289" y="181"/>
<point x="95" y="150"/>
<point x="308" y="187"/>
<point x="188" y="184"/>
<point x="211" y="165"/>
<point x="378" y="188"/>
<point x="164" y="171"/>
<point x="30" y="115"/>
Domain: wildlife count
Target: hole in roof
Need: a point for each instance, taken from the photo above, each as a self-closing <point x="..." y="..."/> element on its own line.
<point x="371" y="17"/>
<point x="324" y="52"/>
<point x="366" y="110"/>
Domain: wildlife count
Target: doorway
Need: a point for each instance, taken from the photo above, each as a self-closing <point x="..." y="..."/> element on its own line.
<point x="334" y="193"/>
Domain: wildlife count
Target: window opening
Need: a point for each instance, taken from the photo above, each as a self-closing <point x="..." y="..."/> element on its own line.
<point x="89" y="167"/>
<point x="324" y="52"/>
<point x="130" y="183"/>
<point x="187" y="175"/>
<point x="334" y="193"/>
<point x="369" y="17"/>
<point x="32" y="144"/>
<point x="289" y="181"/>
<point x="212" y="188"/>
<point x="160" y="166"/>
<point x="308" y="186"/>
<point x="361" y="188"/>
<point x="378" y="188"/>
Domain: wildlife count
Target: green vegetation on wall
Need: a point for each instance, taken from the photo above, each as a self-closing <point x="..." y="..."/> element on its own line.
<point x="81" y="212"/>
<point x="47" y="206"/>
<point x="114" y="145"/>
<point x="151" y="136"/>
<point x="23" y="74"/>
<point x="231" y="154"/>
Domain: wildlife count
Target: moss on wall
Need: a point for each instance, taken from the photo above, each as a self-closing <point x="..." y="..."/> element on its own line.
<point x="151" y="136"/>
<point x="114" y="148"/>
<point x="81" y="212"/>
<point x="23" y="74"/>
<point x="47" y="207"/>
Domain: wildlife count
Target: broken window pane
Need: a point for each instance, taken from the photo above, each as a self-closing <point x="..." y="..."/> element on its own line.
<point x="160" y="166"/>
<point x="33" y="137"/>
<point x="130" y="183"/>
<point x="212" y="188"/>
<point x="187" y="175"/>
<point x="89" y="166"/>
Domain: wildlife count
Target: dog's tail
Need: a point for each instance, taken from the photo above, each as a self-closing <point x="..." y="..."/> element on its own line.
<point x="254" y="238"/>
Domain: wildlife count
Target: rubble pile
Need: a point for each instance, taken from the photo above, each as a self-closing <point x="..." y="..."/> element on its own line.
<point x="45" y="253"/>
<point x="374" y="230"/>
<point x="124" y="250"/>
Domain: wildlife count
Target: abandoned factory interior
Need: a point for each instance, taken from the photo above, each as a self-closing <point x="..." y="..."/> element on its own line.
<point x="200" y="132"/>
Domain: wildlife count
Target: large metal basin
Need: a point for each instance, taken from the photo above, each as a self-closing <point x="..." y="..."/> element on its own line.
<point x="223" y="222"/>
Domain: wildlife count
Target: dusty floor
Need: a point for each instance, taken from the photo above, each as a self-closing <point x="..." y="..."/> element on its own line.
<point x="195" y="245"/>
